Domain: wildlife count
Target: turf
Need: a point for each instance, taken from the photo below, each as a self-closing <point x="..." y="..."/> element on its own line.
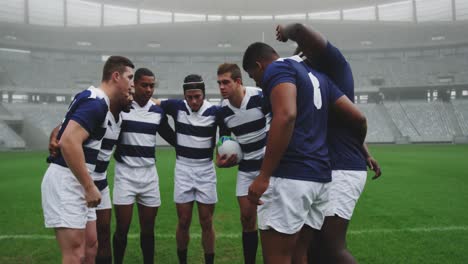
<point x="417" y="212"/>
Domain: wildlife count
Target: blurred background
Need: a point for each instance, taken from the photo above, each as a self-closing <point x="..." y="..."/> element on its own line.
<point x="409" y="58"/>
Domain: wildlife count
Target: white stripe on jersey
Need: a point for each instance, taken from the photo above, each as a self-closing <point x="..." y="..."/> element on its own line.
<point x="195" y="119"/>
<point x="112" y="133"/>
<point x="137" y="139"/>
<point x="242" y="116"/>
<point x="96" y="93"/>
<point x="256" y="154"/>
<point x="194" y="142"/>
<point x="141" y="114"/>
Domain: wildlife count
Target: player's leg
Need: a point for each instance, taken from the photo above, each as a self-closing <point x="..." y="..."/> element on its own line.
<point x="306" y="235"/>
<point x="65" y="210"/>
<point x="345" y="190"/>
<point x="205" y="214"/>
<point x="149" y="200"/>
<point x="125" y="192"/>
<point x="248" y="214"/>
<point x="184" y="214"/>
<point x="91" y="240"/>
<point x="123" y="217"/>
<point x="206" y="197"/>
<point x="333" y="237"/>
<point x="103" y="225"/>
<point x="147" y="216"/>
<point x="277" y="247"/>
<point x="184" y="197"/>
<point x="72" y="244"/>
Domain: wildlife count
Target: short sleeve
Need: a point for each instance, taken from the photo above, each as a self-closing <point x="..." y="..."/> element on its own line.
<point x="334" y="93"/>
<point x="90" y="114"/>
<point x="276" y="73"/>
<point x="170" y="106"/>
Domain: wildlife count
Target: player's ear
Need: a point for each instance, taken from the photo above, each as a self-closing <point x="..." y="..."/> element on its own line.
<point x="115" y="76"/>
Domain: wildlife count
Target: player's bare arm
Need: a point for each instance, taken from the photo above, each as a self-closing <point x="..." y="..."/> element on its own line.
<point x="351" y="114"/>
<point x="71" y="147"/>
<point x="309" y="41"/>
<point x="371" y="162"/>
<point x="53" y="142"/>
<point x="283" y="102"/>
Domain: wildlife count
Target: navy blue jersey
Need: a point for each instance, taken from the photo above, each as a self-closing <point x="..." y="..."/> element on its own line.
<point x="345" y="149"/>
<point x="306" y="157"/>
<point x="195" y="131"/>
<point x="89" y="109"/>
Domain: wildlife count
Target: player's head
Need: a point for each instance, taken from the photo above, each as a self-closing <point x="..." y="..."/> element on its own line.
<point x="118" y="74"/>
<point x="194" y="91"/>
<point x="229" y="79"/>
<point x="256" y="58"/>
<point x="144" y="85"/>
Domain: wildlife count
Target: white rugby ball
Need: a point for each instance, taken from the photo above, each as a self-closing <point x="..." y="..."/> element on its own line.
<point x="228" y="146"/>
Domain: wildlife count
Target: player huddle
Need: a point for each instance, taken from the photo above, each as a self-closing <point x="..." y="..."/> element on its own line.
<point x="302" y="170"/>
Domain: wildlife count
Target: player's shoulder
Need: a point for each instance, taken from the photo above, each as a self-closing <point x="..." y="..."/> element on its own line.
<point x="155" y="109"/>
<point x="210" y="109"/>
<point x="252" y="91"/>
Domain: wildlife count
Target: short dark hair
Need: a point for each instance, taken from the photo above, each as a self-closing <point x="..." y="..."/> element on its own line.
<point x="257" y="51"/>
<point x="231" y="68"/>
<point x="194" y="81"/>
<point x="142" y="72"/>
<point x="113" y="64"/>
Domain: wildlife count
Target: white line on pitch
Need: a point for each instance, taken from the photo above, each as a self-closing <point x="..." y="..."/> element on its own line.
<point x="238" y="235"/>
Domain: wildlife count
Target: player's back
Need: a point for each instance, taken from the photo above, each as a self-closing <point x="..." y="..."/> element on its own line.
<point x="345" y="149"/>
<point x="306" y="157"/>
<point x="248" y="124"/>
<point x="89" y="109"/>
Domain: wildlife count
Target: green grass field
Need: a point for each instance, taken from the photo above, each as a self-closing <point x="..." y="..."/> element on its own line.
<point x="417" y="212"/>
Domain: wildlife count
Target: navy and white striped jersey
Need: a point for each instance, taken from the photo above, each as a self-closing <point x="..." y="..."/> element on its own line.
<point x="248" y="124"/>
<point x="137" y="142"/>
<point x="99" y="175"/>
<point x="89" y="108"/>
<point x="195" y="131"/>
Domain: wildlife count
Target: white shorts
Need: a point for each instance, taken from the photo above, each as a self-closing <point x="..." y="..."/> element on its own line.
<point x="129" y="188"/>
<point x="63" y="199"/>
<point x="105" y="200"/>
<point x="244" y="180"/>
<point x="346" y="188"/>
<point x="289" y="204"/>
<point x="195" y="183"/>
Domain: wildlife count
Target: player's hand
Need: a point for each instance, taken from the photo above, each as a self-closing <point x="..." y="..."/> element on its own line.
<point x="54" y="147"/>
<point x="257" y="188"/>
<point x="225" y="162"/>
<point x="92" y="196"/>
<point x="280" y="34"/>
<point x="374" y="165"/>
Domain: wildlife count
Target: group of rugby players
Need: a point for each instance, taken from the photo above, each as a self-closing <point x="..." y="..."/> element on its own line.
<point x="302" y="171"/>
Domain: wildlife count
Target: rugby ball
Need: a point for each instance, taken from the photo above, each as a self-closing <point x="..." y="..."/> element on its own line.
<point x="228" y="146"/>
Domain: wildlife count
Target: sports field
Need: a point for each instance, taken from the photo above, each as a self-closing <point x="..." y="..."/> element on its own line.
<point x="417" y="212"/>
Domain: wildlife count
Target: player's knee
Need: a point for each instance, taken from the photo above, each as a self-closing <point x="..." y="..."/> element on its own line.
<point x="206" y="223"/>
<point x="92" y="245"/>
<point x="184" y="223"/>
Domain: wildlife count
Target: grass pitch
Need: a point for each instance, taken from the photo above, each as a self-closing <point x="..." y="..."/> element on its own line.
<point x="417" y="212"/>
